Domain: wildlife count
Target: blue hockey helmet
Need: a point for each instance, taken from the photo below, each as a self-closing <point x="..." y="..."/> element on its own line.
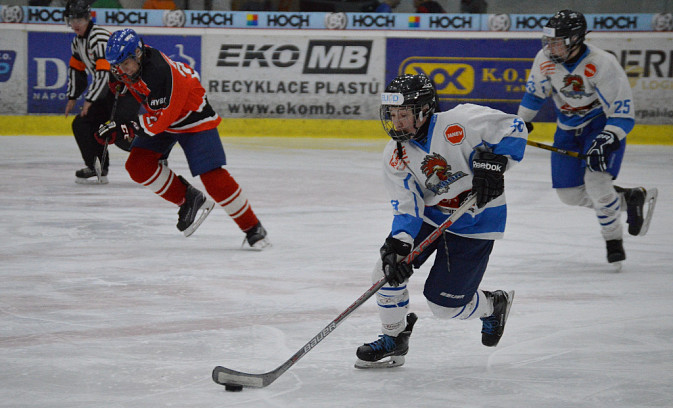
<point x="122" y="45"/>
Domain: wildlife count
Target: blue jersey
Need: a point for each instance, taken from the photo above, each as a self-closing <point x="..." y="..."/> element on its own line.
<point x="430" y="179"/>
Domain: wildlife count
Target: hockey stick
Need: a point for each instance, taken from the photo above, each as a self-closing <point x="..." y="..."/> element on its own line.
<point x="237" y="379"/>
<point x="97" y="164"/>
<point x="554" y="149"/>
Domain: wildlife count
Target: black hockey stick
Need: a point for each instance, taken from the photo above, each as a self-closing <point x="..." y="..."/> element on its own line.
<point x="554" y="149"/>
<point x="97" y="164"/>
<point x="228" y="377"/>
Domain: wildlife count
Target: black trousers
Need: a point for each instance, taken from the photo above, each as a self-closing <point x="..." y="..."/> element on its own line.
<point x="83" y="127"/>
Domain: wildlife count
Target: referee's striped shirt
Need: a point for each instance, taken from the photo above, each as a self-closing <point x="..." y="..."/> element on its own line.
<point x="88" y="57"/>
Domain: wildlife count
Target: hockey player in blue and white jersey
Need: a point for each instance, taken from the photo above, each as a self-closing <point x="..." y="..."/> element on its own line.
<point x="434" y="162"/>
<point x="595" y="111"/>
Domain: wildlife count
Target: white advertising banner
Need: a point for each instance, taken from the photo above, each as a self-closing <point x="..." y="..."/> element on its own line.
<point x="648" y="62"/>
<point x="13" y="72"/>
<point x="308" y="76"/>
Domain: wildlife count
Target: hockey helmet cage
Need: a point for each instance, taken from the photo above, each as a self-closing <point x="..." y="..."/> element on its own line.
<point x="416" y="92"/>
<point x="122" y="45"/>
<point x="76" y="9"/>
<point x="568" y="26"/>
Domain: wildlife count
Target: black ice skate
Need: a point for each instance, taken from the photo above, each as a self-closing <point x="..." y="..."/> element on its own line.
<point x="493" y="326"/>
<point x="370" y="354"/>
<point x="639" y="208"/>
<point x="615" y="251"/>
<point x="196" y="204"/>
<point x="88" y="176"/>
<point x="255" y="238"/>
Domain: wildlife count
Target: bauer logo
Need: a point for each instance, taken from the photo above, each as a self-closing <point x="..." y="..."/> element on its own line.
<point x="7" y="58"/>
<point x="337" y="57"/>
<point x="449" y="78"/>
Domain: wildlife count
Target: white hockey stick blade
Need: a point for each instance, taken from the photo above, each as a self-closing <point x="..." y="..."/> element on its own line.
<point x="205" y="209"/>
<point x="225" y="376"/>
<point x="99" y="170"/>
<point x="393" y="361"/>
<point x="650" y="202"/>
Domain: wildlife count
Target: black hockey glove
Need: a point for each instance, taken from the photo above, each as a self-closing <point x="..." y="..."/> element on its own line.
<point x="108" y="132"/>
<point x="529" y="126"/>
<point x="488" y="181"/>
<point x="598" y="155"/>
<point x="392" y="253"/>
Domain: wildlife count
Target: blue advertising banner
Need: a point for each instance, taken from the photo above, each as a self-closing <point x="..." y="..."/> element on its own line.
<point x="49" y="53"/>
<point x="490" y="72"/>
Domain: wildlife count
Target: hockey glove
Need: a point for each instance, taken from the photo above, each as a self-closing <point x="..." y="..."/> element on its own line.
<point x="600" y="151"/>
<point x="108" y="132"/>
<point x="488" y="181"/>
<point x="529" y="126"/>
<point x="392" y="254"/>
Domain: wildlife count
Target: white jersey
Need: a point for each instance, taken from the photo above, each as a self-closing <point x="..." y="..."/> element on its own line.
<point x="431" y="178"/>
<point x="593" y="85"/>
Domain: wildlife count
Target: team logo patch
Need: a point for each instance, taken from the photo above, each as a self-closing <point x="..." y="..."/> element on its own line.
<point x="573" y="87"/>
<point x="438" y="173"/>
<point x="590" y="70"/>
<point x="454" y="134"/>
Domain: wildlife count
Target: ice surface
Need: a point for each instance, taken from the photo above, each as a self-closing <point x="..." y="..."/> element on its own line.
<point x="104" y="303"/>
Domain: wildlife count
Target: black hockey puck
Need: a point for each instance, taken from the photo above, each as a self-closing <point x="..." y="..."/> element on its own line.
<point x="233" y="387"/>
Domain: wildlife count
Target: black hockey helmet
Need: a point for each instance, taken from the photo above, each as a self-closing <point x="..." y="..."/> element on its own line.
<point x="569" y="26"/>
<point x="415" y="92"/>
<point x="76" y="9"/>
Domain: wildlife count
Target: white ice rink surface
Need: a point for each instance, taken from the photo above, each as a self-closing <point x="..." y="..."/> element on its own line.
<point x="103" y="303"/>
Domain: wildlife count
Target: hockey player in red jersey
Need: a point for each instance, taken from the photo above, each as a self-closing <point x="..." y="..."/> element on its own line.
<point x="177" y="112"/>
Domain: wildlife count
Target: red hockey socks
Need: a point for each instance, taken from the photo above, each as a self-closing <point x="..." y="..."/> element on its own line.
<point x="144" y="168"/>
<point x="228" y="194"/>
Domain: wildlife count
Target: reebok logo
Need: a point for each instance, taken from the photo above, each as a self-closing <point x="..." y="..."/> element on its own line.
<point x="487" y="166"/>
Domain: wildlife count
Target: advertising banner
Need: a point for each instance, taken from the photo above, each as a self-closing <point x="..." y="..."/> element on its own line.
<point x="49" y="53"/>
<point x="648" y="63"/>
<point x="309" y="77"/>
<point x="13" y="72"/>
<point x="335" y="21"/>
<point x="490" y="72"/>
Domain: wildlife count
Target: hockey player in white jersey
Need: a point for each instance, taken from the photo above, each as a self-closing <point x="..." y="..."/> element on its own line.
<point x="595" y="112"/>
<point x="434" y="162"/>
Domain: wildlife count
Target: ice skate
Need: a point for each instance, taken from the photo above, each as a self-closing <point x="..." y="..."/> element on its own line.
<point x="255" y="238"/>
<point x="639" y="208"/>
<point x="88" y="176"/>
<point x="370" y="354"/>
<point x="194" y="210"/>
<point x="494" y="325"/>
<point x="616" y="253"/>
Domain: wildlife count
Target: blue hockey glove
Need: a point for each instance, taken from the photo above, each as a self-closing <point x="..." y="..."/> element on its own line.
<point x="600" y="151"/>
<point x="488" y="181"/>
<point x="392" y="253"/>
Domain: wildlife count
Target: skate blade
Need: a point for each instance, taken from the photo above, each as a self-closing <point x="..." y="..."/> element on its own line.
<point x="616" y="266"/>
<point x="91" y="180"/>
<point x="205" y="209"/>
<point x="650" y="201"/>
<point x="393" y="361"/>
<point x="258" y="246"/>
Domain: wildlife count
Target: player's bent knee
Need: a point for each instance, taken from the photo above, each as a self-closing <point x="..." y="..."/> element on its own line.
<point x="142" y="164"/>
<point x="574" y="196"/>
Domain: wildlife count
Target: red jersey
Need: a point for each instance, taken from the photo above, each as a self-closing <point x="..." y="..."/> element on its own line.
<point x="173" y="96"/>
